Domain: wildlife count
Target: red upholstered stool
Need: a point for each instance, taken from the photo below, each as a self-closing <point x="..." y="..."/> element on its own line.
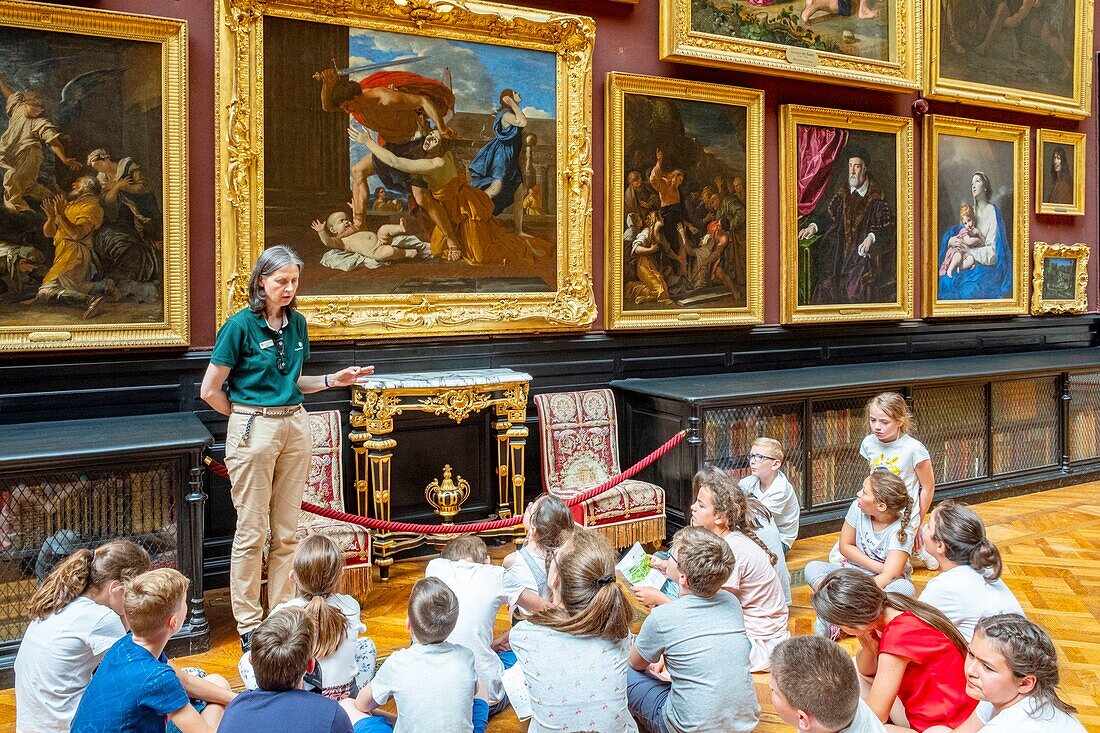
<point x="580" y="449"/>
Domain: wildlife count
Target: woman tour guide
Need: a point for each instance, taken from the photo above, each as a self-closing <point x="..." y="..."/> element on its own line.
<point x="255" y="377"/>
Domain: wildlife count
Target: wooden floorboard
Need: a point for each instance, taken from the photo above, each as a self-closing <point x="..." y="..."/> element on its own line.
<point x="1050" y="542"/>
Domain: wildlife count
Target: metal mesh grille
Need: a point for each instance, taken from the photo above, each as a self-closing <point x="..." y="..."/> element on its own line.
<point x="1025" y="424"/>
<point x="45" y="517"/>
<point x="838" y="469"/>
<point x="1084" y="416"/>
<point x="728" y="435"/>
<point x="951" y="422"/>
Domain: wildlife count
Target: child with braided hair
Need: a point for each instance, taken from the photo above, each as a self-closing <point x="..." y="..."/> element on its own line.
<point x="722" y="508"/>
<point x="875" y="538"/>
<point x="1012" y="669"/>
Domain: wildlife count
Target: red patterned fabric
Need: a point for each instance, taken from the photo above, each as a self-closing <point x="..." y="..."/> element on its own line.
<point x="580" y="448"/>
<point x="325" y="488"/>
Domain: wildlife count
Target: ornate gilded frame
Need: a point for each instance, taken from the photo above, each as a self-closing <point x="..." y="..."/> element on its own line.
<point x="239" y="95"/>
<point x="938" y="86"/>
<point x="1019" y="136"/>
<point x="790" y="117"/>
<point x="1077" y="141"/>
<point x="174" y="329"/>
<point x="1077" y="252"/>
<point x="752" y="100"/>
<point x="680" y="43"/>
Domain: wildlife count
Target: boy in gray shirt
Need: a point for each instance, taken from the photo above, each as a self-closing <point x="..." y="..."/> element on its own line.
<point x="701" y="637"/>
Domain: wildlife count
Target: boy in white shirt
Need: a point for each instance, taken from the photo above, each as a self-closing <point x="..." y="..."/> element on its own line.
<point x="768" y="484"/>
<point x="433" y="681"/>
<point x="815" y="688"/>
<point x="481" y="588"/>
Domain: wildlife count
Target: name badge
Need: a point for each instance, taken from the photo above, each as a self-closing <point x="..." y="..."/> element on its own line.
<point x="267" y="344"/>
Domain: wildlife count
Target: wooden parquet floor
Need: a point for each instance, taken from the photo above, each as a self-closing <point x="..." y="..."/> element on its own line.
<point x="1050" y="543"/>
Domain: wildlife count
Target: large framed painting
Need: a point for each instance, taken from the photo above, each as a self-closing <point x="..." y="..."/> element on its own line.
<point x="976" y="214"/>
<point x="1015" y="54"/>
<point x="847" y="234"/>
<point x="684" y="203"/>
<point x="1060" y="172"/>
<point x="93" y="158"/>
<point x="430" y="161"/>
<point x="1060" y="280"/>
<point x="861" y="42"/>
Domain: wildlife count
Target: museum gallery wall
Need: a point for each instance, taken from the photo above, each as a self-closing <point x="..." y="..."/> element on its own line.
<point x="567" y="108"/>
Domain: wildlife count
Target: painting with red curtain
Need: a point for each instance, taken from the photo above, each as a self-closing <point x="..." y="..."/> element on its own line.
<point x="847" y="223"/>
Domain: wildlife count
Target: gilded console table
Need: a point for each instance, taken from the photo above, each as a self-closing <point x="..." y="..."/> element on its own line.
<point x="376" y="400"/>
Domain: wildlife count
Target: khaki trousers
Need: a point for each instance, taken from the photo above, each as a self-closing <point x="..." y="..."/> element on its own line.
<point x="269" y="473"/>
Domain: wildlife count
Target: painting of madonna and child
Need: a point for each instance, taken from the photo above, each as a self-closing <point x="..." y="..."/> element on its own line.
<point x="858" y="28"/>
<point x="404" y="164"/>
<point x="81" y="224"/>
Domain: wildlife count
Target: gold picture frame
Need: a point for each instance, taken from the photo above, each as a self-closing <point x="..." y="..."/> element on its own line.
<point x="993" y="282"/>
<point x="1060" y="279"/>
<point x="692" y="32"/>
<point x="129" y="74"/>
<point x="686" y="304"/>
<point x="960" y="67"/>
<point x="1054" y="196"/>
<point x="567" y="301"/>
<point x="823" y="280"/>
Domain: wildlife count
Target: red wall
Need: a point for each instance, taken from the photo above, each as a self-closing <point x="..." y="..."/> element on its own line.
<point x="626" y="40"/>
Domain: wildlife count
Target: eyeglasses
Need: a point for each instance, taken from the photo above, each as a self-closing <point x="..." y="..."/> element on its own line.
<point x="672" y="557"/>
<point x="280" y="354"/>
<point x="761" y="457"/>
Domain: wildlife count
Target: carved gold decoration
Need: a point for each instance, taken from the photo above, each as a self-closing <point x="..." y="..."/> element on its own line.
<point x="904" y="70"/>
<point x="1079" y="254"/>
<point x="457" y="404"/>
<point x="901" y="202"/>
<point x="239" y="99"/>
<point x="1020" y="137"/>
<point x="1074" y="143"/>
<point x="615" y="258"/>
<point x="939" y="86"/>
<point x="174" y="328"/>
<point x="447" y="497"/>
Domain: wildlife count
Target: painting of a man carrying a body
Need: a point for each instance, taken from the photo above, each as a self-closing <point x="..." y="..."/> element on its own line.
<point x="81" y="225"/>
<point x="847" y="228"/>
<point x="422" y="155"/>
<point x="684" y="204"/>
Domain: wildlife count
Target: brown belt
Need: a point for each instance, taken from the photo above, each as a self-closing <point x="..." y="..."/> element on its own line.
<point x="255" y="412"/>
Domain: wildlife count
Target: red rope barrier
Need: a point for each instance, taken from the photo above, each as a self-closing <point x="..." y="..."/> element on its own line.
<point x="473" y="527"/>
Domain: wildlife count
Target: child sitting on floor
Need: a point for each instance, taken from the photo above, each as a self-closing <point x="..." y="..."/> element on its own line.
<point x="433" y="681"/>
<point x="815" y="688"/>
<point x="699" y="640"/>
<point x="549" y="524"/>
<point x="481" y="588"/>
<point x="282" y="653"/>
<point x="345" y="660"/>
<point x="770" y="487"/>
<point x="134" y="688"/>
<point x="1012" y="668"/>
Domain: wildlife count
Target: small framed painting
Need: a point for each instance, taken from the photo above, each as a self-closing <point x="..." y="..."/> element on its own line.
<point x="1060" y="278"/>
<point x="848" y="253"/>
<point x="1060" y="174"/>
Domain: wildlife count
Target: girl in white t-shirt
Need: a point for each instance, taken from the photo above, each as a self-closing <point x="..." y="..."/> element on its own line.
<point x="548" y="523"/>
<point x="722" y="508"/>
<point x="77" y="614"/>
<point x="345" y="659"/>
<point x="875" y="538"/>
<point x="891" y="447"/>
<point x="574" y="654"/>
<point x="1012" y="670"/>
<point x="969" y="585"/>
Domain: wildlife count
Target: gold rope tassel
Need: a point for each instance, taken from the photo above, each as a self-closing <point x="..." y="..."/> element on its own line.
<point x="356" y="582"/>
<point x="626" y="534"/>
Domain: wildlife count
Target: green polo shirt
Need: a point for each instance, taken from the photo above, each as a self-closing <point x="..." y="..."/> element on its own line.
<point x="246" y="344"/>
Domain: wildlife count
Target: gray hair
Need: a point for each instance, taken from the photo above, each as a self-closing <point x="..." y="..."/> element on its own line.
<point x="89" y="185"/>
<point x="270" y="260"/>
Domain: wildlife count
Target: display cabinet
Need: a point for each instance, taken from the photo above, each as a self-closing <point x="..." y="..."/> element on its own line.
<point x="988" y="421"/>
